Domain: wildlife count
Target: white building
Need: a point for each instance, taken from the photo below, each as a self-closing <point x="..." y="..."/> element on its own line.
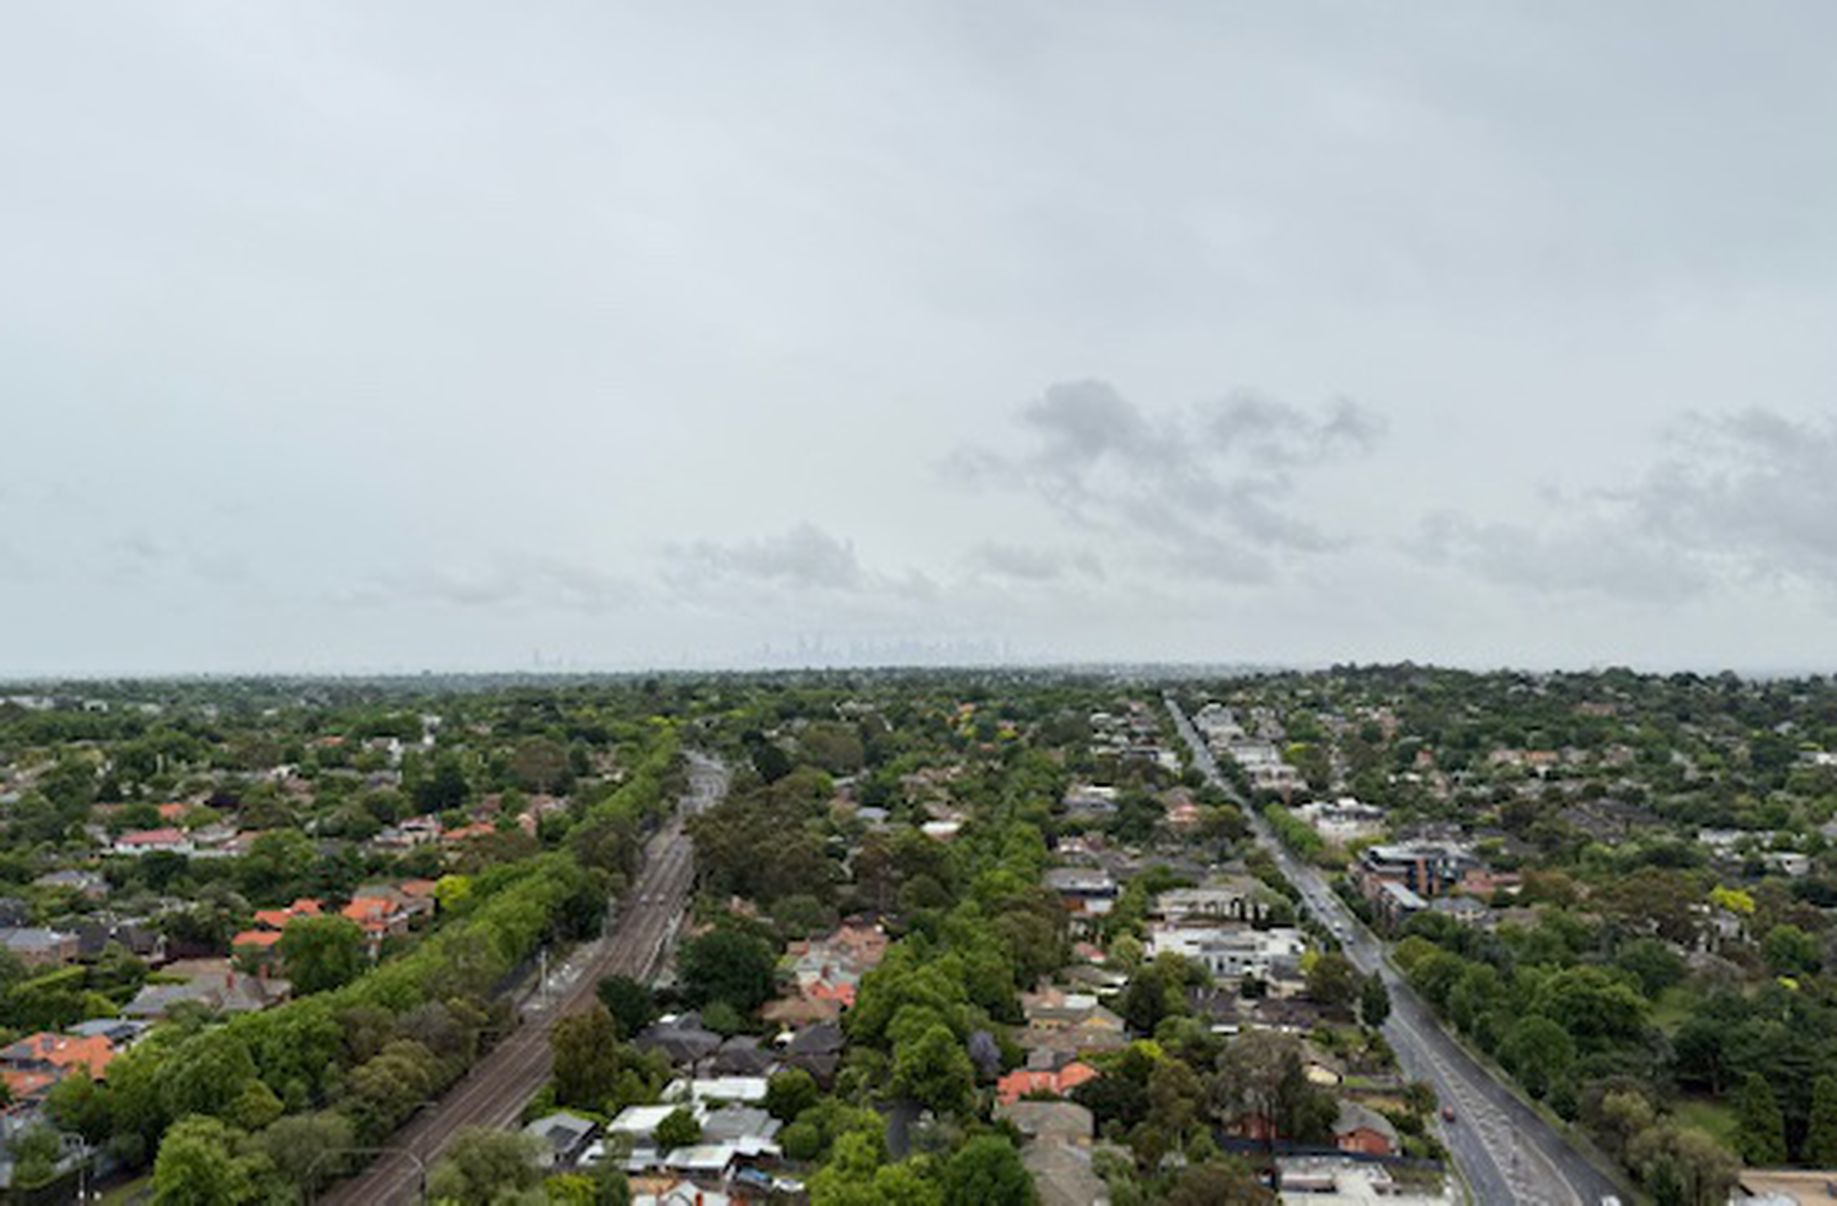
<point x="1336" y="1181"/>
<point x="1343" y="820"/>
<point x="1231" y="952"/>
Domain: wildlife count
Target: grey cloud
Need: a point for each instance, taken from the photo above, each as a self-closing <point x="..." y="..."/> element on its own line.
<point x="1750" y="495"/>
<point x="804" y="557"/>
<point x="523" y="582"/>
<point x="1276" y="434"/>
<point x="1213" y="488"/>
<point x="222" y="567"/>
<point x="133" y="557"/>
<point x="649" y="307"/>
<point x="1595" y="556"/>
<point x="1755" y="487"/>
<point x="1031" y="564"/>
<point x="138" y="555"/>
<point x="1221" y="562"/>
<point x="1083" y="422"/>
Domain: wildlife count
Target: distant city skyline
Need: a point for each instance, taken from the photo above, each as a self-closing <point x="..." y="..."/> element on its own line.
<point x="348" y="337"/>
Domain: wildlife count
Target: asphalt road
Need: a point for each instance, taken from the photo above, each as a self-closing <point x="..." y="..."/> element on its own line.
<point x="497" y="1088"/>
<point x="1504" y="1149"/>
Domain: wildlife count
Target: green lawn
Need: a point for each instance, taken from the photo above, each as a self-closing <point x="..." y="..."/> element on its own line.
<point x="1708" y="1115"/>
<point x="1673" y="1006"/>
<point x="133" y="1193"/>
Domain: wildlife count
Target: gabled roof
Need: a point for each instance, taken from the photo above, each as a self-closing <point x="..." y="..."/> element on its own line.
<point x="1019" y="1083"/>
<point x="61" y="1051"/>
<point x="152" y="837"/>
<point x="304" y="906"/>
<point x="1353" y="1117"/>
<point x="823" y="1038"/>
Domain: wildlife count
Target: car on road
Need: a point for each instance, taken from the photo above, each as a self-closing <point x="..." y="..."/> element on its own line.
<point x="1447" y="1113"/>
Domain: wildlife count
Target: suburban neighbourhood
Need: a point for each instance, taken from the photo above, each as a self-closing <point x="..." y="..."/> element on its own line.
<point x="951" y="938"/>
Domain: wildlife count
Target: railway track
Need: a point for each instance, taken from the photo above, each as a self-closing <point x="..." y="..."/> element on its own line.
<point x="501" y="1083"/>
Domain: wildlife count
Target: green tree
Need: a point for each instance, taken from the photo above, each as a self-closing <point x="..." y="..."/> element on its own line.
<point x="256" y="1106"/>
<point x="205" y="1074"/>
<point x="847" y="1179"/>
<point x="1593" y="1005"/>
<point x="587" y="1057"/>
<point x="1538" y="1052"/>
<point x="1622" y="1117"/>
<point x="1374" y="1001"/>
<point x="834" y="747"/>
<point x="678" y="1129"/>
<point x="483" y="1166"/>
<point x="273" y="867"/>
<point x="1229" y="1183"/>
<point x="446" y="788"/>
<point x="1149" y="998"/>
<point x="790" y="1093"/>
<point x="540" y="764"/>
<point x="987" y="1171"/>
<point x="727" y="964"/>
<point x="197" y="1166"/>
<point x="1820" y="1149"/>
<point x="1333" y="982"/>
<point x="631" y="1002"/>
<point x="306" y="1149"/>
<point x="1790" y="951"/>
<point x="802" y="1140"/>
<point x="322" y="953"/>
<point x="1261" y="1075"/>
<point x="934" y="1070"/>
<point x="1684" y="1165"/>
<point x="34" y="1153"/>
<point x="905" y="1184"/>
<point x="77" y="1103"/>
<point x="1655" y="964"/>
<point x="1760" y="1127"/>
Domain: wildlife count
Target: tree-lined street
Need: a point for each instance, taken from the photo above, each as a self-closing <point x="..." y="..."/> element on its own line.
<point x="1504" y="1150"/>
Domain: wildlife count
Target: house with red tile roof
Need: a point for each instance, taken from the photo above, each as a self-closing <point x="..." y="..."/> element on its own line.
<point x="149" y="841"/>
<point x="386" y="911"/>
<point x="26" y="1087"/>
<point x="61" y="1053"/>
<point x="466" y="833"/>
<point x="1023" y="1081"/>
<point x="1361" y="1129"/>
<point x="277" y="919"/>
<point x="33" y="1064"/>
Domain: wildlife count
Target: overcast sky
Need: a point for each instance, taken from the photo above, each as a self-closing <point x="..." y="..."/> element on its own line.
<point x="354" y="336"/>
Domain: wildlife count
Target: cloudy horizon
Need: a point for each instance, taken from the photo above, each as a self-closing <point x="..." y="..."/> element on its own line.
<point x="378" y="338"/>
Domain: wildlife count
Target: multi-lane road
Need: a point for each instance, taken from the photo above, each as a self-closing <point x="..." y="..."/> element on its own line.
<point x="497" y="1088"/>
<point x="1504" y="1149"/>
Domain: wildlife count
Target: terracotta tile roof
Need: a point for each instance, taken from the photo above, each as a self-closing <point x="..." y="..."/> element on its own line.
<point x="62" y="1051"/>
<point x="153" y="837"/>
<point x="371" y="912"/>
<point x="277" y="919"/>
<point x="24" y="1085"/>
<point x="1017" y="1084"/>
